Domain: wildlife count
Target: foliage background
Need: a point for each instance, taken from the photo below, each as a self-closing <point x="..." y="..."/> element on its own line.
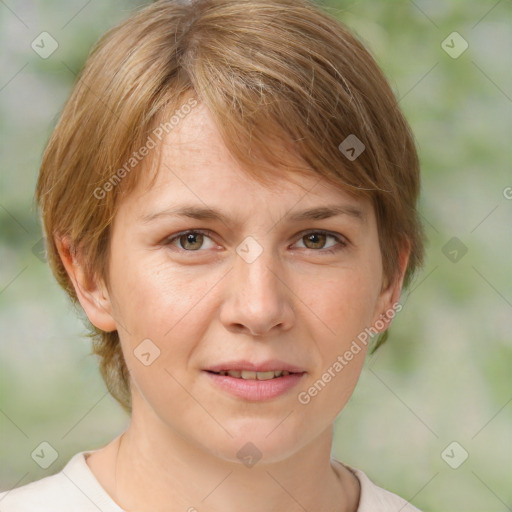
<point x="445" y="373"/>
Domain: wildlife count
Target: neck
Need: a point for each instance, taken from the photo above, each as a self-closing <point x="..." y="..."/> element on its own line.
<point x="155" y="469"/>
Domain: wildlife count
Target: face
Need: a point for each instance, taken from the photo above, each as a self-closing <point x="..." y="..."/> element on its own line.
<point x="257" y="283"/>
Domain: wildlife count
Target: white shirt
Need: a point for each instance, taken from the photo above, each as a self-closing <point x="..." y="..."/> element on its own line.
<point x="75" y="489"/>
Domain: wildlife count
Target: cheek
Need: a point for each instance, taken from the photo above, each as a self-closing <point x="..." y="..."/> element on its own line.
<point x="325" y="394"/>
<point x="167" y="306"/>
<point x="344" y="303"/>
<point x="152" y="296"/>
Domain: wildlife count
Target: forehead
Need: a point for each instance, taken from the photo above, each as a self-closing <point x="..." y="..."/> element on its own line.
<point x="196" y="168"/>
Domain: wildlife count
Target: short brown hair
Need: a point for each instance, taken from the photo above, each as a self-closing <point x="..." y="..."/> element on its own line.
<point x="273" y="74"/>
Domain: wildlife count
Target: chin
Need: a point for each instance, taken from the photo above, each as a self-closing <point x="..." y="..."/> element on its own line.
<point x="258" y="441"/>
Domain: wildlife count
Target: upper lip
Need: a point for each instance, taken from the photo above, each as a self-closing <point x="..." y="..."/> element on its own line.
<point x="265" y="366"/>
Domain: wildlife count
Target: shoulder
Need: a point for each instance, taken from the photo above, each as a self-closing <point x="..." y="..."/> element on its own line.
<point x="44" y="494"/>
<point x="73" y="488"/>
<point x="374" y="498"/>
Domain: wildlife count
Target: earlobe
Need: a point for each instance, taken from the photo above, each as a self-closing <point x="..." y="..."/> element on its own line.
<point x="91" y="293"/>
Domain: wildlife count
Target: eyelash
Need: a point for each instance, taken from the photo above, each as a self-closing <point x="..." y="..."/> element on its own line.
<point x="342" y="243"/>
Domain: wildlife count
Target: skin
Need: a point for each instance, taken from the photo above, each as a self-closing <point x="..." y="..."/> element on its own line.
<point x="295" y="302"/>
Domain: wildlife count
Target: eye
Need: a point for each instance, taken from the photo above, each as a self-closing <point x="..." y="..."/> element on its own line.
<point x="194" y="240"/>
<point x="316" y="240"/>
<point x="190" y="240"/>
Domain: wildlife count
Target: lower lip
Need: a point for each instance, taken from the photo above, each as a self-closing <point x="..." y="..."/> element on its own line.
<point x="256" y="390"/>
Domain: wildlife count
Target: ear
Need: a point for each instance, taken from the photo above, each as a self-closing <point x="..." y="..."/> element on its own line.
<point x="390" y="294"/>
<point x="93" y="295"/>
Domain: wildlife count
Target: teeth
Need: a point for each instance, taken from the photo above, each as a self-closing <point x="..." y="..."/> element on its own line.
<point x="248" y="375"/>
<point x="260" y="375"/>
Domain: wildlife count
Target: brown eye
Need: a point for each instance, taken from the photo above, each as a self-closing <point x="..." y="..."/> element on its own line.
<point x="318" y="240"/>
<point x="315" y="240"/>
<point x="191" y="241"/>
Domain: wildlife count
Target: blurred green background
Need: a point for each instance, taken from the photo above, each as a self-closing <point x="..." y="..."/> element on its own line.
<point x="444" y="375"/>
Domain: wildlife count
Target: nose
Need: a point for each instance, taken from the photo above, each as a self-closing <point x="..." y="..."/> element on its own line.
<point x="258" y="299"/>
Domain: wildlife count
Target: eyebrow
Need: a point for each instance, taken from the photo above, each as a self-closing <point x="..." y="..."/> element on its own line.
<point x="206" y="213"/>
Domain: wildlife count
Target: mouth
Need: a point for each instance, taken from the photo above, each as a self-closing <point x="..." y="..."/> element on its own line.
<point x="255" y="386"/>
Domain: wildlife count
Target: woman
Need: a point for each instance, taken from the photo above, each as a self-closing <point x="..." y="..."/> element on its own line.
<point x="230" y="194"/>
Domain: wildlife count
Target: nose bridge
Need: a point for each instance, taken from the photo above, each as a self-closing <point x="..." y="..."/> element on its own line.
<point x="256" y="270"/>
<point x="258" y="298"/>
